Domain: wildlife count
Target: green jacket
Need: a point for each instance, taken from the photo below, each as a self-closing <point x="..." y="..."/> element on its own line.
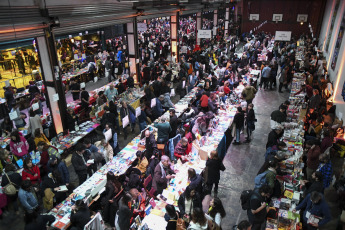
<point x="163" y="130"/>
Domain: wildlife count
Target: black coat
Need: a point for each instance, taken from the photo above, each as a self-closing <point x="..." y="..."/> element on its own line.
<point x="196" y="203"/>
<point x="213" y="170"/>
<point x="272" y="139"/>
<point x="70" y="122"/>
<point x="15" y="178"/>
<point x="173" y="124"/>
<point x="314" y="186"/>
<point x="78" y="164"/>
<point x="125" y="215"/>
<point x="196" y="183"/>
<point x="278" y="116"/>
<point x="80" y="218"/>
<point x="40" y="223"/>
<point x="108" y="118"/>
<point x="239" y="120"/>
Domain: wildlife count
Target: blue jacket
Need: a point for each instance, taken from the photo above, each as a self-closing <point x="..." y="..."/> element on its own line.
<point x="172" y="143"/>
<point x="27" y="199"/>
<point x="63" y="170"/>
<point x="119" y="56"/>
<point x="158" y="108"/>
<point x="321" y="210"/>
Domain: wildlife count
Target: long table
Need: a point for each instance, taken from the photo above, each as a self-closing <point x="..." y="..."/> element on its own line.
<point x="96" y="183"/>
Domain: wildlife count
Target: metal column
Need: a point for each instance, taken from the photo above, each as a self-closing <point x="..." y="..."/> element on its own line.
<point x="174" y="28"/>
<point x="226" y="24"/>
<point x="132" y="40"/>
<point x="215" y="22"/>
<point x="52" y="80"/>
<point x="198" y="27"/>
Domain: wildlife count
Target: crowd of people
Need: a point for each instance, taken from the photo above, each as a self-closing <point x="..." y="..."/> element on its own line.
<point x="44" y="184"/>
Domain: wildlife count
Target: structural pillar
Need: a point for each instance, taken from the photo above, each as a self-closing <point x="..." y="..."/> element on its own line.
<point x="132" y="40"/>
<point x="215" y="22"/>
<point x="174" y="28"/>
<point x="54" y="92"/>
<point x="198" y="27"/>
<point x="226" y="23"/>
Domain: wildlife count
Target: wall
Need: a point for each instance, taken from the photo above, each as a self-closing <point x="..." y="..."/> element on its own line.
<point x="290" y="9"/>
<point x="337" y="76"/>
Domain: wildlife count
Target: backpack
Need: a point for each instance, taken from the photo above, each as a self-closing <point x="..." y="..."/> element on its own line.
<point x="10" y="189"/>
<point x="260" y="179"/>
<point x="245" y="199"/>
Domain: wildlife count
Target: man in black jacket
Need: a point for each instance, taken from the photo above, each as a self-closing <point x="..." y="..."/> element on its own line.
<point x="79" y="162"/>
<point x="279" y="116"/>
<point x="130" y="81"/>
<point x="108" y="118"/>
<point x="273" y="136"/>
<point x="258" y="207"/>
<point x="173" y="123"/>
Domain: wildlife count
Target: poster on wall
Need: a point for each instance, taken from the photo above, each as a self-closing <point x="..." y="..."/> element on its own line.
<point x="338" y="43"/>
<point x="334" y="16"/>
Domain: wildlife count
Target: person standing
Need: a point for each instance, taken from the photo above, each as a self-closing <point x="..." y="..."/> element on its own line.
<point x="173" y="123"/>
<point x="9" y="96"/>
<point x="250" y="119"/>
<point x="79" y="162"/>
<point x="18" y="144"/>
<point x="111" y="93"/>
<point x="127" y="110"/>
<point x="214" y="166"/>
<point x="314" y="205"/>
<point x="258" y="207"/>
<point x="248" y="93"/>
<point x="75" y="89"/>
<point x="125" y="213"/>
<point x="26" y="197"/>
<point x="239" y="122"/>
<point x="265" y="76"/>
<point x="164" y="130"/>
<point x="108" y="69"/>
<point x="313" y="153"/>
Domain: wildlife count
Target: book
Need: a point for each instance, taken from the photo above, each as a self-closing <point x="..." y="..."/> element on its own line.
<point x="63" y="188"/>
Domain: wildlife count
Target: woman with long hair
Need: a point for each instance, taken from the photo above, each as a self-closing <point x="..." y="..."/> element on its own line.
<point x="216" y="211"/>
<point x="39" y="136"/>
<point x="109" y="204"/>
<point x="199" y="221"/>
<point x="31" y="172"/>
<point x="18" y="144"/>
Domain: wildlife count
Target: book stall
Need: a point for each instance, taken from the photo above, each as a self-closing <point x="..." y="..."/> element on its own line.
<point x="280" y="215"/>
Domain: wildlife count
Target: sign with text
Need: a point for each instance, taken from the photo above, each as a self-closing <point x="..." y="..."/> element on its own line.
<point x="282" y="36"/>
<point x="142" y="27"/>
<point x="204" y="33"/>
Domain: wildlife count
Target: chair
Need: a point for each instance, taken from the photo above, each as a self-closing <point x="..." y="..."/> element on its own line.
<point x="152" y="190"/>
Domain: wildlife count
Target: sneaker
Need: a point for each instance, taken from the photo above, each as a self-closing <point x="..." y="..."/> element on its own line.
<point x="236" y="143"/>
<point x="247" y="141"/>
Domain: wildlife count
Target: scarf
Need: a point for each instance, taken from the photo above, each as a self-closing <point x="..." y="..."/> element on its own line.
<point x="163" y="171"/>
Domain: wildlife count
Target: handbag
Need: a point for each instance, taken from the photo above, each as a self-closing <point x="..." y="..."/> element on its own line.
<point x="212" y="225"/>
<point x="10" y="189"/>
<point x="180" y="224"/>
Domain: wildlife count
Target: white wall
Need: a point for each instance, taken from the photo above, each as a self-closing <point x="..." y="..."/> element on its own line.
<point x="337" y="75"/>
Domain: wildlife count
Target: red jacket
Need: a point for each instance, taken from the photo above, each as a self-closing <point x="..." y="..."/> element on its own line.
<point x="27" y="173"/>
<point x="204" y="101"/>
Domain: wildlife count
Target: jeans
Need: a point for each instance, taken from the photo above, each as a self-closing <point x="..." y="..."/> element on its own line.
<point x="142" y="126"/>
<point x="238" y="134"/>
